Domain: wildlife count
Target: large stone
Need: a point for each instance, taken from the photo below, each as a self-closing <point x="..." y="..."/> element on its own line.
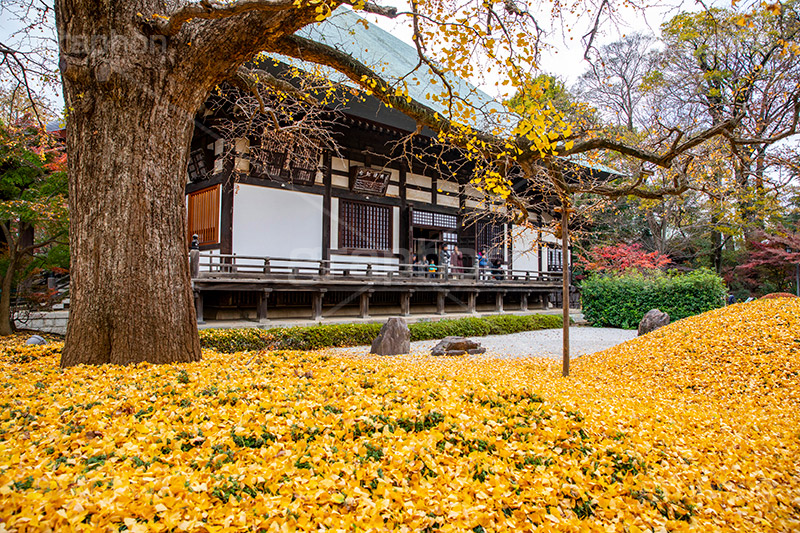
<point x="36" y="340"/>
<point x="393" y="339"/>
<point x="453" y="346"/>
<point x="653" y="320"/>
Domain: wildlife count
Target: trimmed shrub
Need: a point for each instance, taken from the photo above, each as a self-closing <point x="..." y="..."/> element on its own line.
<point x="323" y="336"/>
<point x="620" y="301"/>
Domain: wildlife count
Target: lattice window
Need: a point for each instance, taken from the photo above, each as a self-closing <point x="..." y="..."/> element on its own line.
<point x="365" y="226"/>
<point x="197" y="168"/>
<point x="450" y="237"/>
<point x="204" y="215"/>
<point x="435" y="220"/>
<point x="554" y="260"/>
<point x="489" y="236"/>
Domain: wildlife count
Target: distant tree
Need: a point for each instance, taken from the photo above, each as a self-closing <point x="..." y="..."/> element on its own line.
<point x="33" y="202"/>
<point x="622" y="257"/>
<point x="771" y="262"/>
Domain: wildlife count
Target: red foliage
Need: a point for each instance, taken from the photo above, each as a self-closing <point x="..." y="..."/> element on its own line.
<point x="771" y="257"/>
<point x="622" y="257"/>
<point x="777" y="295"/>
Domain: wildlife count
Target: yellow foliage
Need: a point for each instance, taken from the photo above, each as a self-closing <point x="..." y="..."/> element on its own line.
<point x="692" y="427"/>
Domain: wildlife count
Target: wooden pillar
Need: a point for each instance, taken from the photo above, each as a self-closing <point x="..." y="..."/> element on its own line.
<point x="523" y="302"/>
<point x="316" y="305"/>
<point x="440" y="299"/>
<point x="363" y="311"/>
<point x="198" y="306"/>
<point x="327" y="182"/>
<point x="261" y="310"/>
<point x="498" y="302"/>
<point x="405" y="303"/>
<point x="405" y="220"/>
<point x="226" y="204"/>
<point x="472" y="298"/>
<point x="194" y="262"/>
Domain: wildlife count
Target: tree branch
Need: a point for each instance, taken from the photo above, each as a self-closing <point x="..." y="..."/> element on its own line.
<point x="663" y="160"/>
<point x="212" y="9"/>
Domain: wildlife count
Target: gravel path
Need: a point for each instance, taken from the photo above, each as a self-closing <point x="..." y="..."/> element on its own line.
<point x="540" y="343"/>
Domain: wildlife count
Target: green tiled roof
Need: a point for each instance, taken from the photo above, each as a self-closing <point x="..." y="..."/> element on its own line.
<point x="391" y="58"/>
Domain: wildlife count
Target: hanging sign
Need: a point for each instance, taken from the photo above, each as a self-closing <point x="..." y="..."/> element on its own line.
<point x="369" y="180"/>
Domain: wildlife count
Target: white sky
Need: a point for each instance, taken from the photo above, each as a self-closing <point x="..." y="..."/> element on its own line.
<point x="564" y="57"/>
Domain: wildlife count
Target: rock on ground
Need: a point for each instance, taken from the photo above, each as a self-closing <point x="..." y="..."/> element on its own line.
<point x="653" y="320"/>
<point x="457" y="346"/>
<point x="393" y="339"/>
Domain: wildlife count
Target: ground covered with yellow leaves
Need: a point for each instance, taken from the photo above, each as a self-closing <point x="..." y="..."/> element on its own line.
<point x="693" y="427"/>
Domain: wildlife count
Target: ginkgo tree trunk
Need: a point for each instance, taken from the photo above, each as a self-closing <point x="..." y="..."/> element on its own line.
<point x="132" y="85"/>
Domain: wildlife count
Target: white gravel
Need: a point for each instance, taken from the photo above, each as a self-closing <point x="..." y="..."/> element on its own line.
<point x="540" y="343"/>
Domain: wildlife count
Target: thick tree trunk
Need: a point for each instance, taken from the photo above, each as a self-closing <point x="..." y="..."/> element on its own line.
<point x="6" y="327"/>
<point x="132" y="96"/>
<point x="131" y="301"/>
<point x="130" y="124"/>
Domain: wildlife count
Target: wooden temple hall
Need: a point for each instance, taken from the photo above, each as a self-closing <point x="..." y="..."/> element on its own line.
<point x="352" y="232"/>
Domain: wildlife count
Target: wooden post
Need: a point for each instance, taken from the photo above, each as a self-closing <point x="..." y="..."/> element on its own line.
<point x="267" y="267"/>
<point x="523" y="302"/>
<point x="565" y="284"/>
<point x="472" y="297"/>
<point x="261" y="310"/>
<point x="440" y="296"/>
<point x="194" y="257"/>
<point x="316" y="305"/>
<point x="405" y="303"/>
<point x="198" y="306"/>
<point x="194" y="263"/>
<point x="364" y="304"/>
<point x="498" y="301"/>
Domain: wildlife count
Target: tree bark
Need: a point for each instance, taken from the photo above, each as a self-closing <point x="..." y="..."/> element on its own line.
<point x="130" y="123"/>
<point x="6" y="327"/>
<point x="132" y="95"/>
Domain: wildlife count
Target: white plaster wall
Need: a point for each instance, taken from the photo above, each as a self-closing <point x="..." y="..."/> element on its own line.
<point x="448" y="186"/>
<point x="396" y="229"/>
<point x="449" y="201"/>
<point x="419" y="180"/>
<point x="334" y="223"/>
<point x="341" y="164"/>
<point x="343" y="182"/>
<point x="418" y="196"/>
<point x="473" y="204"/>
<point x="277" y="223"/>
<point x="525" y="249"/>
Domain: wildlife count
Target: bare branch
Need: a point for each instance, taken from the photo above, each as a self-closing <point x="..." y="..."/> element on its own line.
<point x="372" y="7"/>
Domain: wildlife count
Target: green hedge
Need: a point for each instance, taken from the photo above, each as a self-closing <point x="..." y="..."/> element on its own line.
<point x="620" y="301"/>
<point x="322" y="336"/>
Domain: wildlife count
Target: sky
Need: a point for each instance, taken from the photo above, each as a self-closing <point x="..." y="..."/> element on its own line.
<point x="564" y="57"/>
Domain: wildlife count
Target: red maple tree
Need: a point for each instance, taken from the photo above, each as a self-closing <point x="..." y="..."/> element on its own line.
<point x="772" y="258"/>
<point x="622" y="257"/>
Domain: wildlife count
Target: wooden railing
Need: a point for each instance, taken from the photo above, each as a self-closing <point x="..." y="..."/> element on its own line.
<point x="211" y="266"/>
